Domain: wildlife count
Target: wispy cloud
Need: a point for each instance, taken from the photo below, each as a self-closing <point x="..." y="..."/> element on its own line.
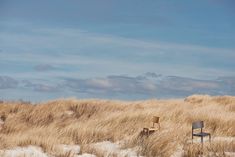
<point x="44" y="67"/>
<point x="92" y="51"/>
<point x="7" y="82"/>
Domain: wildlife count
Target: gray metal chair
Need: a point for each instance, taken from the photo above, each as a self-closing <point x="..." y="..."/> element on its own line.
<point x="199" y="125"/>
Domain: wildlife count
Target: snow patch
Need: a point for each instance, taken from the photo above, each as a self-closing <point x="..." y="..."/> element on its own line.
<point x="34" y="151"/>
<point x="85" y="155"/>
<point x="74" y="149"/>
<point x="109" y="149"/>
<point x="30" y="151"/>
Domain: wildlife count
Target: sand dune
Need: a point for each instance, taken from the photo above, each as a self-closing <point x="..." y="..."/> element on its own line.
<point x="96" y="127"/>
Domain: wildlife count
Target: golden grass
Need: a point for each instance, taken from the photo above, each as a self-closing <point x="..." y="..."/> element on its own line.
<point x="84" y="122"/>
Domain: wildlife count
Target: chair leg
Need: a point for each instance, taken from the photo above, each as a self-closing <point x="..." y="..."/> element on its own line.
<point x="145" y="131"/>
<point x="201" y="139"/>
<point x="210" y="138"/>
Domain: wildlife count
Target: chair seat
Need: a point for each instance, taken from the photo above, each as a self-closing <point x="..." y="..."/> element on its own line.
<point x="201" y="134"/>
<point x="151" y="129"/>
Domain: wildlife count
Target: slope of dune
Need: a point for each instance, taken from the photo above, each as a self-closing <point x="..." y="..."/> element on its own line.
<point x="87" y="123"/>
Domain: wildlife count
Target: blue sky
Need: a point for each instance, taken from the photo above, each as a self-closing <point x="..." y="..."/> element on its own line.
<point x="116" y="49"/>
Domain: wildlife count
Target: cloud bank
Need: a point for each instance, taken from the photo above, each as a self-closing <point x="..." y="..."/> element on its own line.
<point x="148" y="85"/>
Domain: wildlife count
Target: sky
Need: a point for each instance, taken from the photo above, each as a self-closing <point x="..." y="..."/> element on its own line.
<point x="116" y="49"/>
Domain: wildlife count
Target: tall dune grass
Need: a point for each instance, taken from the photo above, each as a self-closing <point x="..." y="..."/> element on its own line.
<point x="83" y="122"/>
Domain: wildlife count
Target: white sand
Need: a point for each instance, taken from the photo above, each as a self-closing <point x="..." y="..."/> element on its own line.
<point x="30" y="151"/>
<point x="109" y="149"/>
<point x="34" y="151"/>
<point x="106" y="147"/>
<point x="85" y="155"/>
<point x="74" y="149"/>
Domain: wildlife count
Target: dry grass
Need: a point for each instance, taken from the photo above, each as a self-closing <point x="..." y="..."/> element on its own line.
<point x="84" y="122"/>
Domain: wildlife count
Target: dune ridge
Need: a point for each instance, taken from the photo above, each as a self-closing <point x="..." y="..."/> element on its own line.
<point x="86" y="122"/>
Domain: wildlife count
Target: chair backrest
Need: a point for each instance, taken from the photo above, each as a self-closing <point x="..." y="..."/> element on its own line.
<point x="155" y="119"/>
<point x="197" y="125"/>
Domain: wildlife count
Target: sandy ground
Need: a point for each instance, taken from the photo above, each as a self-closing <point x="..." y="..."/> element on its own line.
<point x="30" y="151"/>
<point x="74" y="149"/>
<point x="106" y="147"/>
<point x="34" y="151"/>
<point x="109" y="149"/>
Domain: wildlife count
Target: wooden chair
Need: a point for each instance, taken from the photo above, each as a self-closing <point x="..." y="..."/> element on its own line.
<point x="199" y="125"/>
<point x="154" y="120"/>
